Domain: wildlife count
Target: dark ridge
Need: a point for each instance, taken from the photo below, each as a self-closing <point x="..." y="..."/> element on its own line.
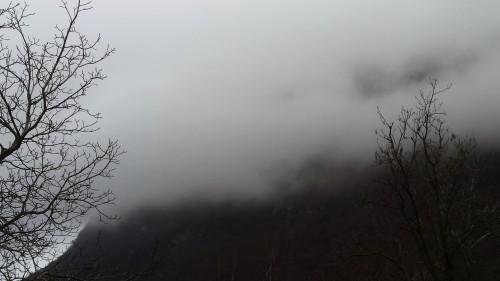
<point x="309" y="232"/>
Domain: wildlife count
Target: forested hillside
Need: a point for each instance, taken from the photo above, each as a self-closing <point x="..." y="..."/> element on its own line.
<point x="319" y="225"/>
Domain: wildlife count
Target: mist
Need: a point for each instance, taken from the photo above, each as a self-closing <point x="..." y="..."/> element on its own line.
<point x="213" y="99"/>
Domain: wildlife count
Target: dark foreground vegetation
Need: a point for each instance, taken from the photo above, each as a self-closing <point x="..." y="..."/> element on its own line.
<point x="317" y="227"/>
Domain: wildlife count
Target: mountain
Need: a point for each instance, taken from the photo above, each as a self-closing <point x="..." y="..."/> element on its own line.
<point x="316" y="226"/>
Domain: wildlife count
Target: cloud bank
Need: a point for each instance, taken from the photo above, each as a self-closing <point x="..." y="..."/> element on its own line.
<point x="208" y="98"/>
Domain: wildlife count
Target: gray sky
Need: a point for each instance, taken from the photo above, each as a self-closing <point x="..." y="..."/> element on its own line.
<point x="207" y="96"/>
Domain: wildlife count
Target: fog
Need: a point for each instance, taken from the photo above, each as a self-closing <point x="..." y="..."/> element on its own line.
<point x="211" y="98"/>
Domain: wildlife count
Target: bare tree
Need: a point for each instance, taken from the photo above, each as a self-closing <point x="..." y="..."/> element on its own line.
<point x="430" y="179"/>
<point x="47" y="165"/>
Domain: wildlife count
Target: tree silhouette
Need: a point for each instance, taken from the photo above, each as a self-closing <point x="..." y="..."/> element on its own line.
<point x="430" y="183"/>
<point x="47" y="164"/>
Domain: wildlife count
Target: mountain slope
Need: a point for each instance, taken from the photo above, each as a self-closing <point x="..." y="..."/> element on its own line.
<point x="316" y="227"/>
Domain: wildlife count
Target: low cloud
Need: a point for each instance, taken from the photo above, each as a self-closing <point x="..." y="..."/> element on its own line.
<point x="207" y="99"/>
<point x="374" y="80"/>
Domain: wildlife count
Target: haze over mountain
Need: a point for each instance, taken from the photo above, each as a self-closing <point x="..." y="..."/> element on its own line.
<point x="209" y="98"/>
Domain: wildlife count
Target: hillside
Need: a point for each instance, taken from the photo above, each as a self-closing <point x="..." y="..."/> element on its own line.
<point x="318" y="230"/>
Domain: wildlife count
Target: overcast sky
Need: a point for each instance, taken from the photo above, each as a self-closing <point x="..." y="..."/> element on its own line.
<point x="207" y="96"/>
